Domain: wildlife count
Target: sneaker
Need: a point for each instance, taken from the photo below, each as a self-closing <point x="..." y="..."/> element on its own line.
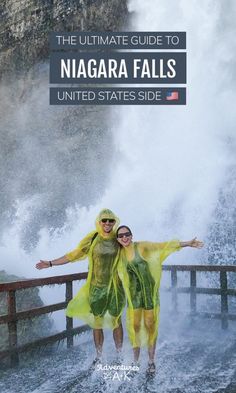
<point x="96" y="362"/>
<point x="135" y="363"/>
<point x="151" y="370"/>
<point x="135" y="369"/>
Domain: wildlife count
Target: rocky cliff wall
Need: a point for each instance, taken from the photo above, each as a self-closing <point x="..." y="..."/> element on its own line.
<point x="25" y="25"/>
<point x="69" y="142"/>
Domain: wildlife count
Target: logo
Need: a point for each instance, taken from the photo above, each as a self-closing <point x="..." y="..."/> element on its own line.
<point x="118" y="373"/>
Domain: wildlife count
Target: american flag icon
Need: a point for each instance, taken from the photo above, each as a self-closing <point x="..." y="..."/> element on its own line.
<point x="172" y="95"/>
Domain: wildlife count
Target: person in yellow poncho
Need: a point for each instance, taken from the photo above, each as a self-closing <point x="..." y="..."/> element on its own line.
<point x="140" y="269"/>
<point x="101" y="300"/>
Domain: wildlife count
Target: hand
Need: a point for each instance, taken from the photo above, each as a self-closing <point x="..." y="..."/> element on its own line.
<point x="196" y="243"/>
<point x="42" y="265"/>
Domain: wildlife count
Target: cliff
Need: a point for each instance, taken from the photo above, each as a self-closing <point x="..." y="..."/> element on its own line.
<point x="52" y="159"/>
<point x="25" y="26"/>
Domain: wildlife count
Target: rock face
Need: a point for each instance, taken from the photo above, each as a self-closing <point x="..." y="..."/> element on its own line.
<point x="72" y="145"/>
<point x="69" y="142"/>
<point x="26" y="24"/>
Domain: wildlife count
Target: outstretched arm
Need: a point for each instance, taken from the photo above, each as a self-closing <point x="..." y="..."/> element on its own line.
<point x="192" y="243"/>
<point x="54" y="262"/>
<point x="160" y="250"/>
<point x="79" y="253"/>
<point x="164" y="249"/>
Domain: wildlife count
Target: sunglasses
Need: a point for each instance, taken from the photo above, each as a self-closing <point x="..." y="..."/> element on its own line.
<point x="110" y="220"/>
<point x="126" y="234"/>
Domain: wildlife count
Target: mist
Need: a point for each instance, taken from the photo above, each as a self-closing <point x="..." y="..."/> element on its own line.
<point x="167" y="172"/>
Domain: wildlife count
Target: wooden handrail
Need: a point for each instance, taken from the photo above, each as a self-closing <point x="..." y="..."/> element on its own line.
<point x="38" y="282"/>
<point x="201" y="268"/>
<point x="12" y="317"/>
<point x="35" y="282"/>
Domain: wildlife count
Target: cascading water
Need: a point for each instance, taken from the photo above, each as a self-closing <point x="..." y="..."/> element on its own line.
<point x="166" y="171"/>
<point x="163" y="169"/>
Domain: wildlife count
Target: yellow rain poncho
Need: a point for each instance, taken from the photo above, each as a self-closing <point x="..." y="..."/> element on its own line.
<point x="140" y="269"/>
<point x="101" y="300"/>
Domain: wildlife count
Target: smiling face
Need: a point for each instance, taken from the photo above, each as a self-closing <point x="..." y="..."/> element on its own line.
<point x="107" y="225"/>
<point x="124" y="236"/>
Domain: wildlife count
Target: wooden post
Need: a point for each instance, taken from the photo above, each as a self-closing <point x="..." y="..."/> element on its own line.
<point x="12" y="328"/>
<point x="174" y="288"/>
<point x="224" y="300"/>
<point x="193" y="297"/>
<point x="69" y="321"/>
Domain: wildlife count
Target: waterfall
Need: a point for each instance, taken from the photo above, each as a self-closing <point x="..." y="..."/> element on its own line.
<point x="161" y="169"/>
<point x="166" y="171"/>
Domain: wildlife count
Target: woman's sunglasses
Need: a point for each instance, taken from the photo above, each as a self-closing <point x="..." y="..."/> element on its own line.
<point x="110" y="220"/>
<point x="126" y="234"/>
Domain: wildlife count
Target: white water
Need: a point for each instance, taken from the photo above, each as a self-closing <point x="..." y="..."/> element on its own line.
<point x="170" y="162"/>
<point x="189" y="365"/>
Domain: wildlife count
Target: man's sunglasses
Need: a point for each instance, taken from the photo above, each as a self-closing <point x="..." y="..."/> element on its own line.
<point x="110" y="220"/>
<point x="126" y="234"/>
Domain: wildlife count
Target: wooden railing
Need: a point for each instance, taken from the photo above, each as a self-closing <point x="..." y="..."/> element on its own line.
<point x="12" y="317"/>
<point x="193" y="289"/>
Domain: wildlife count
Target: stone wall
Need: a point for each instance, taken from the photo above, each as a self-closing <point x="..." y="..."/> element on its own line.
<point x="25" y="26"/>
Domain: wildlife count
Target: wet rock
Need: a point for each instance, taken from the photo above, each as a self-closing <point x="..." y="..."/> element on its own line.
<point x="26" y="24"/>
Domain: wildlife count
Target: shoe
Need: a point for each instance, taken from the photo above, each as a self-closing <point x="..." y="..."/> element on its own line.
<point x="135" y="364"/>
<point x="151" y="370"/>
<point x="96" y="362"/>
<point x="135" y="369"/>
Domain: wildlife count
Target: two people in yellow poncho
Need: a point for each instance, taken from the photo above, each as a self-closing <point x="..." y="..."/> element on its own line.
<point x="118" y="270"/>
